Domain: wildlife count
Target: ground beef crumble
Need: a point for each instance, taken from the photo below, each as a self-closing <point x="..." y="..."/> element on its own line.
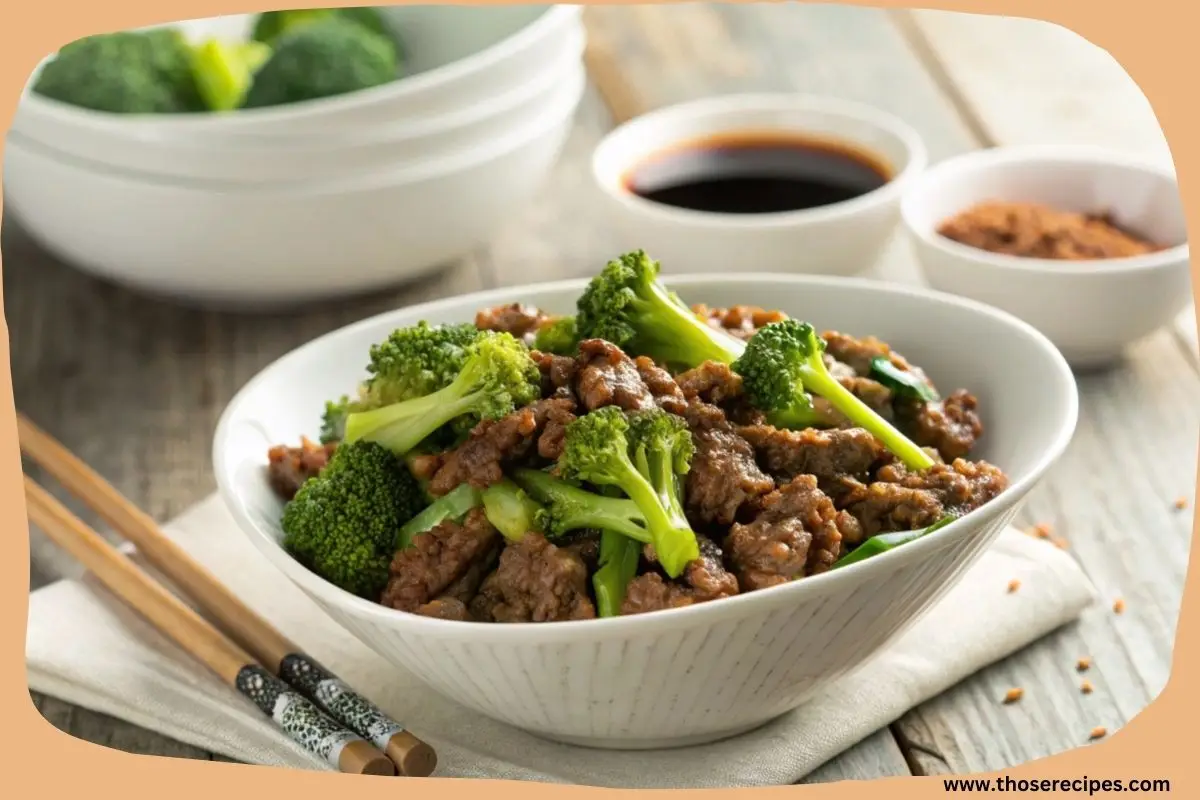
<point x="740" y="321"/>
<point x="436" y="559"/>
<point x="724" y="477"/>
<point x="705" y="578"/>
<point x="798" y="532"/>
<point x="825" y="454"/>
<point x="492" y="444"/>
<point x="535" y="581"/>
<point x="289" y="467"/>
<point x="520" y="320"/>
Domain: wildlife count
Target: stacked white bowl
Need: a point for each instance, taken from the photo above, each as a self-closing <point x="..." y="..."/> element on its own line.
<point x="316" y="199"/>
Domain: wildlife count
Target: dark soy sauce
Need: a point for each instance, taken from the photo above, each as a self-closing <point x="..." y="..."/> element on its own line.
<point x="757" y="174"/>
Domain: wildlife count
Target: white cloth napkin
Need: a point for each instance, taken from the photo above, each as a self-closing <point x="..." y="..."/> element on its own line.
<point x="86" y="648"/>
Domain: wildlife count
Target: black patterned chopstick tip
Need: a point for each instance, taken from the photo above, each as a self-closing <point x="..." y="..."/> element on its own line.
<point x="306" y="724"/>
<point x="410" y="754"/>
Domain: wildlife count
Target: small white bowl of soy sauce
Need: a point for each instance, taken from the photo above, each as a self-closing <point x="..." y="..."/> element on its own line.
<point x="759" y="183"/>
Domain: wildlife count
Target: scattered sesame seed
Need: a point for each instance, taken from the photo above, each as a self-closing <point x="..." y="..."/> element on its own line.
<point x="1098" y="732"/>
<point x="1118" y="606"/>
<point x="1013" y="695"/>
<point x="1061" y="543"/>
<point x="1181" y="504"/>
<point x="1083" y="664"/>
<point x="1043" y="530"/>
<point x="1013" y="585"/>
<point x="1086" y="687"/>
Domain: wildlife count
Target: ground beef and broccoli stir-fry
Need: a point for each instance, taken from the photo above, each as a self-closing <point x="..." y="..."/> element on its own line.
<point x="636" y="456"/>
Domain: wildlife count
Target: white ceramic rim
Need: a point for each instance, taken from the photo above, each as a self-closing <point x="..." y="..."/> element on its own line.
<point x="1047" y="154"/>
<point x="317" y="142"/>
<point x="723" y="104"/>
<point x="564" y="107"/>
<point x="431" y="80"/>
<point x="585" y="629"/>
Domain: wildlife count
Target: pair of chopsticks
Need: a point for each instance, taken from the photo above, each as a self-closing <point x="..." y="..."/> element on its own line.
<point x="310" y="704"/>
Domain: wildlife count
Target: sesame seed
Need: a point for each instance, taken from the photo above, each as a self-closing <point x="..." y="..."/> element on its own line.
<point x="1098" y="732"/>
<point x="1013" y="585"/>
<point x="1181" y="503"/>
<point x="1042" y="530"/>
<point x="1013" y="695"/>
<point x="1060" y="543"/>
<point x="1086" y="687"/>
<point x="1118" y="606"/>
<point x="1083" y="664"/>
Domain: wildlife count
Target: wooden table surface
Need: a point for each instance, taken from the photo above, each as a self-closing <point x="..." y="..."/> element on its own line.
<point x="135" y="386"/>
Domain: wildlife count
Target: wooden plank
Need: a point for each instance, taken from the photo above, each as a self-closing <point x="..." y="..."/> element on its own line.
<point x="1031" y="82"/>
<point x="1112" y="496"/>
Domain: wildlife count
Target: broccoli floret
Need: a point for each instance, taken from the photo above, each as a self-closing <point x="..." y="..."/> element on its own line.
<point x="453" y="505"/>
<point x="619" y="556"/>
<point x="333" y="421"/>
<point x="559" y="336"/>
<point x="627" y="305"/>
<point x="411" y="362"/>
<point x="416" y="361"/>
<point x="224" y="71"/>
<point x="566" y="507"/>
<point x="622" y="527"/>
<point x="127" y="72"/>
<point x="322" y="59"/>
<point x="643" y="457"/>
<point x="270" y="25"/>
<point x="497" y="376"/>
<point x="784" y="361"/>
<point x="510" y="510"/>
<point x="342" y="524"/>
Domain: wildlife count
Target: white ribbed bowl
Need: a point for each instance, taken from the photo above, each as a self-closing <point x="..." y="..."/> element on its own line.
<point x="260" y="245"/>
<point x="701" y="673"/>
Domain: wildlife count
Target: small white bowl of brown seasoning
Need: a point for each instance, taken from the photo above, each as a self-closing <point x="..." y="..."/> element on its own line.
<point x="783" y="183"/>
<point x="1087" y="245"/>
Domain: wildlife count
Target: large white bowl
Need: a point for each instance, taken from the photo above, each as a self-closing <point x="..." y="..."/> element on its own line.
<point x="459" y="56"/>
<point x="704" y="672"/>
<point x="1092" y="310"/>
<point x="252" y="157"/>
<point x="260" y="245"/>
<point x="838" y="239"/>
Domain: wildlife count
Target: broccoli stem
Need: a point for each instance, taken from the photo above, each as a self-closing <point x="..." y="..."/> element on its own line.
<point x="858" y="412"/>
<point x="670" y="332"/>
<point x="569" y="508"/>
<point x="618" y="565"/>
<point x="510" y="510"/>
<point x="673" y="540"/>
<point x="451" y="506"/>
<point x="402" y="426"/>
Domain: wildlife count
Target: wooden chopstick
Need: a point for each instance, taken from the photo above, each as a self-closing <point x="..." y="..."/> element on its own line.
<point x="271" y="648"/>
<point x="295" y="715"/>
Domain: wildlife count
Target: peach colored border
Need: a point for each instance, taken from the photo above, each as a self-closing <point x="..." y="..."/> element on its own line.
<point x="1153" y="39"/>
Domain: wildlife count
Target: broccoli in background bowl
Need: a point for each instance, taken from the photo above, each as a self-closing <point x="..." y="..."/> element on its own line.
<point x="290" y="57"/>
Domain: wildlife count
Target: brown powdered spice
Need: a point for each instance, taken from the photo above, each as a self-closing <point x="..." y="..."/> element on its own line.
<point x="1031" y="230"/>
